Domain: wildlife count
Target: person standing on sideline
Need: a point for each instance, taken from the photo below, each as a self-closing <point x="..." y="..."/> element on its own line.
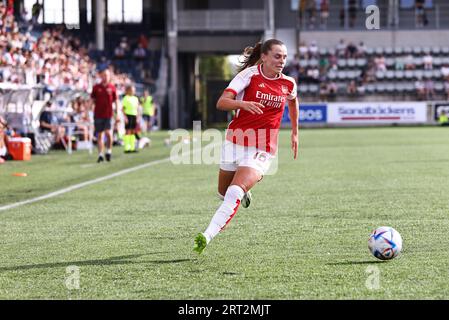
<point x="130" y="105"/>
<point x="258" y="93"/>
<point x="148" y="109"/>
<point x="104" y="96"/>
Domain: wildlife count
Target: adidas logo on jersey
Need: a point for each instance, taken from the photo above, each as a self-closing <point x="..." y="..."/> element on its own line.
<point x="262" y="85"/>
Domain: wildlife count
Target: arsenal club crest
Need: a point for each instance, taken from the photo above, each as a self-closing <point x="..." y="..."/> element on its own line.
<point x="284" y="89"/>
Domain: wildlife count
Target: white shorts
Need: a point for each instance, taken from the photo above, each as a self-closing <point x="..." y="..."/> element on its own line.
<point x="234" y="156"/>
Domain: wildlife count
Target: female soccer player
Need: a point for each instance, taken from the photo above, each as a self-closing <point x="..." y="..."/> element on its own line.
<point x="258" y="94"/>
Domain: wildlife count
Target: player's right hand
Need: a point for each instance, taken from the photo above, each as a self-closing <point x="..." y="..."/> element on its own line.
<point x="252" y="107"/>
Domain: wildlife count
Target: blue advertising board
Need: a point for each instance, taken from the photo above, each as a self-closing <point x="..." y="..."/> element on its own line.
<point x="308" y="113"/>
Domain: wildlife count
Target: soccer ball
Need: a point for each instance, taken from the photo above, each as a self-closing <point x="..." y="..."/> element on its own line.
<point x="385" y="243"/>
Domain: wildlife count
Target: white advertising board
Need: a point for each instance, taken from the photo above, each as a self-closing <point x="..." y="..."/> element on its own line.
<point x="377" y="112"/>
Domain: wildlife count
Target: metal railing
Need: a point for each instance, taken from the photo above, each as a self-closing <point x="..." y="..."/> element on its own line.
<point x="221" y="20"/>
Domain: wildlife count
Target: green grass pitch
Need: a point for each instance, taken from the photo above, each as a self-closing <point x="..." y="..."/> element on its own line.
<point x="303" y="237"/>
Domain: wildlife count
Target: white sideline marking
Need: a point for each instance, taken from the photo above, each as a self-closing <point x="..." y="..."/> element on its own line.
<point x="88" y="183"/>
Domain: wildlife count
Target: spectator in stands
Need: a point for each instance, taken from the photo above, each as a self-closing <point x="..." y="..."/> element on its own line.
<point x="393" y="13"/>
<point x="324" y="13"/>
<point x="429" y="89"/>
<point x="428" y="61"/>
<point x="341" y="48"/>
<point x="352" y="8"/>
<point x="445" y="72"/>
<point x="409" y="62"/>
<point x="361" y="50"/>
<point x="380" y="63"/>
<point x="420" y="14"/>
<point x="324" y="91"/>
<point x="420" y="89"/>
<point x="140" y="53"/>
<point x="351" y="51"/>
<point x="446" y="89"/>
<point x="311" y="13"/>
<point x="313" y="50"/>
<point x="342" y="17"/>
<point x="119" y="53"/>
<point x="351" y="89"/>
<point x="143" y="41"/>
<point x="323" y="64"/>
<point x="361" y="88"/>
<point x="399" y="63"/>
<point x="332" y="90"/>
<point x="35" y="12"/>
<point x="333" y="61"/>
<point x="313" y="74"/>
<point x="303" y="51"/>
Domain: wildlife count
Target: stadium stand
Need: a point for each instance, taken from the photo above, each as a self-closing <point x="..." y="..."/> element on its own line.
<point x="381" y="73"/>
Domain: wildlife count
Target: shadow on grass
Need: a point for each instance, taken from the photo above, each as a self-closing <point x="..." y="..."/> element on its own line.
<point x="120" y="260"/>
<point x="347" y="263"/>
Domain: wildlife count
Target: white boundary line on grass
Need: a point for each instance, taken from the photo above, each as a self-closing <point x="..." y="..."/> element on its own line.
<point x="90" y="182"/>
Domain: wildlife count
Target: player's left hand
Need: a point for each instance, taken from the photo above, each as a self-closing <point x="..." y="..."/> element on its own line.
<point x="295" y="144"/>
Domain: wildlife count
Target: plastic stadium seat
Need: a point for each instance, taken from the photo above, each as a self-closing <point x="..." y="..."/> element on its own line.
<point x="323" y="51"/>
<point x="418" y="74"/>
<point x="399" y="86"/>
<point x="417" y="50"/>
<point x="389" y="62"/>
<point x="407" y="50"/>
<point x="370" y="88"/>
<point x="437" y="61"/>
<point x="428" y="74"/>
<point x="437" y="74"/>
<point x="426" y="50"/>
<point x="398" y="51"/>
<point x="418" y="61"/>
<point x="341" y="63"/>
<point x="342" y="75"/>
<point x="380" y="87"/>
<point x="369" y="51"/>
<point x="313" y="88"/>
<point x="380" y="75"/>
<point x="303" y="88"/>
<point x="313" y="63"/>
<point x="436" y="50"/>
<point x="379" y="50"/>
<point x="439" y="86"/>
<point x="389" y="75"/>
<point x="399" y="74"/>
<point x="409" y="86"/>
<point x="361" y="62"/>
<point x="445" y="51"/>
<point x="389" y="51"/>
<point x="409" y="74"/>
<point x="351" y="63"/>
<point x="304" y="63"/>
<point x="390" y="87"/>
<point x="445" y="60"/>
<point x="332" y="75"/>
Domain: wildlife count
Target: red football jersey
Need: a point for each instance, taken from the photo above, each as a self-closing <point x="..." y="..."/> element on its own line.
<point x="259" y="130"/>
<point x="104" y="97"/>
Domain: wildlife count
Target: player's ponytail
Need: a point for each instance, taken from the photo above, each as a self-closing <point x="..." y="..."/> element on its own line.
<point x="251" y="55"/>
